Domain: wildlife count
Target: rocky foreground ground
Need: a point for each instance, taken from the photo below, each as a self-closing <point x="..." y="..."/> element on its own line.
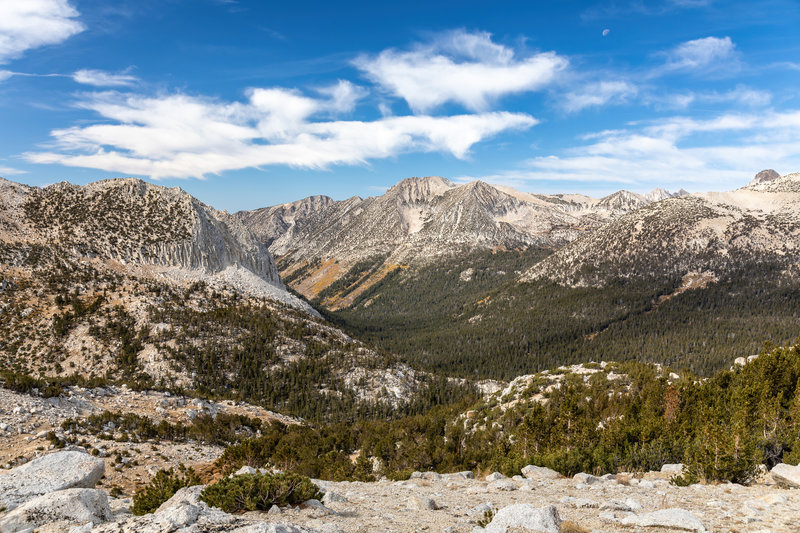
<point x="46" y="489"/>
<point x="56" y="492"/>
<point x="26" y="420"/>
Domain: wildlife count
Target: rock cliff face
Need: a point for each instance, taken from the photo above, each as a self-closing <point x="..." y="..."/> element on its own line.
<point x="419" y="221"/>
<point x="138" y="225"/>
<point x="275" y="225"/>
<point x="709" y="233"/>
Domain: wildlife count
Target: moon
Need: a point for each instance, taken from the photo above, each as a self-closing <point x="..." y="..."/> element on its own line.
<point x="606" y="32"/>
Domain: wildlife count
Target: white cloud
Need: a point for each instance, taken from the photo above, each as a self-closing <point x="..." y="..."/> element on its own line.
<point x="182" y="136"/>
<point x="677" y="152"/>
<point x="343" y="96"/>
<point x="26" y="24"/>
<point x="461" y="67"/>
<point x="705" y="55"/>
<point x="100" y="78"/>
<point x="599" y="93"/>
<point x="741" y="95"/>
<point x="5" y="74"/>
<point x="7" y="171"/>
<point x="691" y="3"/>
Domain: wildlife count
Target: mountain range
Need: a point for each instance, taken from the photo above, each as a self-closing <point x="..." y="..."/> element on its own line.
<point x="125" y="278"/>
<point x="479" y="278"/>
<point x="419" y="222"/>
<point x="121" y="280"/>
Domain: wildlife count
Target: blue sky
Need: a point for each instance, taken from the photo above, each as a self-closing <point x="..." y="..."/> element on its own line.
<point x="251" y="103"/>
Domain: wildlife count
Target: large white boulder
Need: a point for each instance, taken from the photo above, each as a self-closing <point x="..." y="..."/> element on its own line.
<point x="786" y="475"/>
<point x="539" y="472"/>
<point x="527" y="518"/>
<point x="70" y="506"/>
<point x="586" y="479"/>
<point x="676" y="469"/>
<point x="47" y="474"/>
<point x="667" y="518"/>
<point x="274" y="528"/>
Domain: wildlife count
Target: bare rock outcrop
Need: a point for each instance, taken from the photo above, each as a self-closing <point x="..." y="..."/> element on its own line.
<point x="419" y="220"/>
<point x="70" y="506"/>
<point x="539" y="472"/>
<point x="525" y="517"/>
<point x="765" y="176"/>
<point x="708" y="235"/>
<point x="667" y="518"/>
<point x="786" y="475"/>
<point x="138" y="225"/>
<point x="47" y="474"/>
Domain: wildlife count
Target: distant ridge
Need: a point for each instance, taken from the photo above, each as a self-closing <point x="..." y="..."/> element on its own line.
<point x="419" y="220"/>
<point x="711" y="232"/>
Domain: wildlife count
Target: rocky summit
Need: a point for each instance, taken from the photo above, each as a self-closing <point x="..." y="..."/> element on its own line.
<point x="149" y="230"/>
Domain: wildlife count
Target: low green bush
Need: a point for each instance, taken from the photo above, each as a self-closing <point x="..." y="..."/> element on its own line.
<point x="163" y="486"/>
<point x="259" y="492"/>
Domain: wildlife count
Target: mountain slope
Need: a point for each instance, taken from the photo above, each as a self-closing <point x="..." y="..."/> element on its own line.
<point x="712" y="233"/>
<point x="123" y="281"/>
<point x="694" y="281"/>
<point x="152" y="229"/>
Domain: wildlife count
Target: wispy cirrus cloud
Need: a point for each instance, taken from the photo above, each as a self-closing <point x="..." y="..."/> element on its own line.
<point x="673" y="151"/>
<point x="699" y="56"/>
<point x="624" y="8"/>
<point x="741" y="96"/>
<point x="100" y="78"/>
<point x="8" y="171"/>
<point x="598" y="94"/>
<point x="27" y="24"/>
<point x="183" y="136"/>
<point x="709" y="54"/>
<point x="466" y="68"/>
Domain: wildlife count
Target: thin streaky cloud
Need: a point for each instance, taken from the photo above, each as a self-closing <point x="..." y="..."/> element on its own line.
<point x="100" y="78"/>
<point x="612" y="92"/>
<point x="705" y="55"/>
<point x="673" y="151"/>
<point x="8" y="171"/>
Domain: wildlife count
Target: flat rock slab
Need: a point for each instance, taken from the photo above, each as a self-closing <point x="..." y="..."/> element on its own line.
<point x="786" y="475"/>
<point x="50" y="473"/>
<point x="667" y="518"/>
<point x="525" y="517"/>
<point x="71" y="506"/>
<point x="539" y="472"/>
<point x="587" y="479"/>
<point x="676" y="469"/>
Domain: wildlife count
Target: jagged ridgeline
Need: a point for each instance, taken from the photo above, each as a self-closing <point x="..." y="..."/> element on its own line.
<point x="123" y="281"/>
<point x="334" y="252"/>
<point x="690" y="280"/>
